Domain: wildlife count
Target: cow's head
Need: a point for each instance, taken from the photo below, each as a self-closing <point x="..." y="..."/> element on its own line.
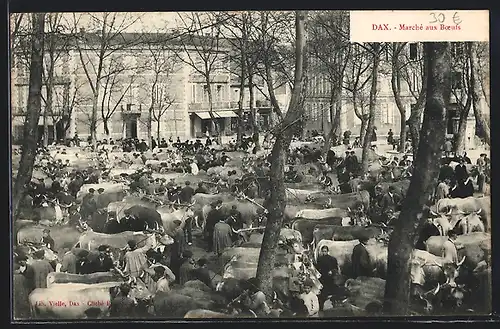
<point x="451" y="271"/>
<point x="440" y="221"/>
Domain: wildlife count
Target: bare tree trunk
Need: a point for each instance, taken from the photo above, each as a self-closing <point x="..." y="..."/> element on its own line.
<point x="158" y="124"/>
<point x="215" y="126"/>
<point x="93" y="117"/>
<point x="415" y="120"/>
<point x="372" y="107"/>
<point x="45" y="124"/>
<point x="481" y="118"/>
<point x="105" y="126"/>
<point x="30" y="137"/>
<point x="362" y="129"/>
<point x="329" y="136"/>
<point x="279" y="156"/>
<point x="396" y="90"/>
<point x="239" y="129"/>
<point x="150" y="127"/>
<point x="425" y="174"/>
<point x="253" y="111"/>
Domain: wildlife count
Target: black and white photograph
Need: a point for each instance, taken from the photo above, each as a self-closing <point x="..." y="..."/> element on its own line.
<point x="248" y="164"/>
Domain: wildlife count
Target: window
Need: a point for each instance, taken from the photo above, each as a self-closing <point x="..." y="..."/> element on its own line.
<point x="22" y="97"/>
<point x="205" y="93"/>
<point x="218" y="93"/>
<point x="413" y="51"/>
<point x="193" y="93"/>
<point x="387" y="114"/>
<point x="456" y="80"/>
<point x="456" y="49"/>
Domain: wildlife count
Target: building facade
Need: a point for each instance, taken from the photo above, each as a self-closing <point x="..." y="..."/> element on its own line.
<point x="156" y="84"/>
<point x="388" y="116"/>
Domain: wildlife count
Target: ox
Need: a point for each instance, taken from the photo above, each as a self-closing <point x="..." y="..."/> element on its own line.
<point x="92" y="240"/>
<point x="474" y="246"/>
<point x="55" y="278"/>
<point x="320" y="214"/>
<point x="306" y="227"/>
<point x="344" y="233"/>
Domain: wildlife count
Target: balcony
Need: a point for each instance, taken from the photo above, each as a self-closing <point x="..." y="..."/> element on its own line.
<point x="131" y="109"/>
<point x="192" y="107"/>
<point x="258" y="104"/>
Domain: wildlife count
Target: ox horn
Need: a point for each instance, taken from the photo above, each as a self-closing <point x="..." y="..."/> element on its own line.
<point x="449" y="212"/>
<point x="235" y="232"/>
<point x="437" y="264"/>
<point x="348" y="209"/>
<point x="437" y="289"/>
<point x="479" y="211"/>
<point x="433" y="213"/>
<point x="461" y="262"/>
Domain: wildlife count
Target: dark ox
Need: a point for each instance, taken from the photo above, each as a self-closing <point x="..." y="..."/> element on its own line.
<point x="447" y="294"/>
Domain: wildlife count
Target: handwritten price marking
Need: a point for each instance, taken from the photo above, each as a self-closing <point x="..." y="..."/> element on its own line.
<point x="440" y="18"/>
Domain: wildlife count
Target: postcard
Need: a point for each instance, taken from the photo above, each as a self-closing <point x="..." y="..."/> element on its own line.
<point x="317" y="164"/>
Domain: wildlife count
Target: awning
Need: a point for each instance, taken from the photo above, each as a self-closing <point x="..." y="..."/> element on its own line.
<point x="204" y="115"/>
<point x="226" y="114"/>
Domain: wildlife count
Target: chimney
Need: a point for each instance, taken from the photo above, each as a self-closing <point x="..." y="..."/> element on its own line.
<point x="82" y="30"/>
<point x="129" y="107"/>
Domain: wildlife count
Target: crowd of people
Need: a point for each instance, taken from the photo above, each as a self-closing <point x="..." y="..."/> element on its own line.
<point x="311" y="283"/>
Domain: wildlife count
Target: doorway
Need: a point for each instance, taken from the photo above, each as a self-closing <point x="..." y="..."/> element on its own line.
<point x="131" y="128"/>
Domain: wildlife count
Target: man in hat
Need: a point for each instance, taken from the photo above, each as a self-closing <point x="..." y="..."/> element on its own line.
<point x="186" y="193"/>
<point x="135" y="260"/>
<point x="83" y="264"/>
<point x="361" y="262"/>
<point x="122" y="306"/>
<point x="41" y="268"/>
<point x="89" y="205"/>
<point x="112" y="226"/>
<point x="177" y="248"/>
<point x="162" y="284"/>
<point x="449" y="251"/>
<point x="213" y="218"/>
<point x="310" y="299"/>
<point x="187" y="267"/>
<point x="27" y="271"/>
<point x="47" y="239"/>
<point x="461" y="173"/>
<point x="201" y="188"/>
<point x="103" y="262"/>
<point x="202" y="273"/>
<point x="389" y="202"/>
<point x="127" y="222"/>
<point x="222" y="236"/>
<point x="69" y="261"/>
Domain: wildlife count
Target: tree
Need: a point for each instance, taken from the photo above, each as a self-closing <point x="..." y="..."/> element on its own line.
<point x="425" y="174"/>
<point x="29" y="146"/>
<point x="375" y="50"/>
<point x="414" y="72"/>
<point x="355" y="82"/>
<point x="95" y="49"/>
<point x="161" y="66"/>
<point x="115" y="87"/>
<point x="331" y="48"/>
<point x="279" y="154"/>
<point x="462" y="90"/>
<point x="396" y="68"/>
<point x="56" y="50"/>
<point x="243" y="36"/>
<point x="480" y="83"/>
<point x="201" y="44"/>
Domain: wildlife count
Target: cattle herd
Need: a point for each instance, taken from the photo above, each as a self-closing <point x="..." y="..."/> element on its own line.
<point x="84" y="203"/>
